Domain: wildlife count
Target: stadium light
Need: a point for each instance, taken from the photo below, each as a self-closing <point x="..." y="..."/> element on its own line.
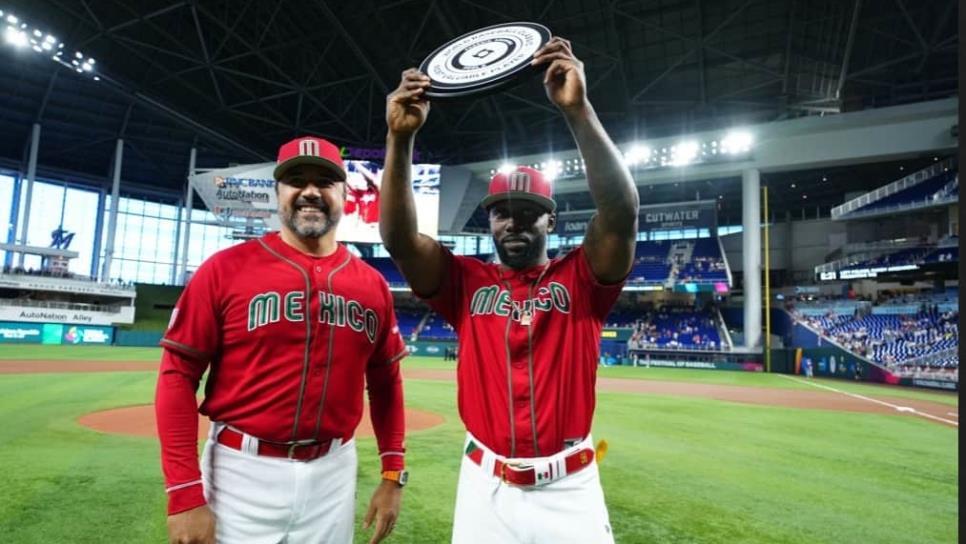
<point x="552" y="169"/>
<point x="20" y="35"/>
<point x="637" y="154"/>
<point x="684" y="153"/>
<point x="506" y="168"/>
<point x="15" y="37"/>
<point x="739" y="141"/>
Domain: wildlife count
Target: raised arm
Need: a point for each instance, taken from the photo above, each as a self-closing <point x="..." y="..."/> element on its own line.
<point x="419" y="258"/>
<point x="611" y="234"/>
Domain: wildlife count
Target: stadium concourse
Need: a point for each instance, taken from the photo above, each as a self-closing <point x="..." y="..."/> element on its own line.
<point x="796" y="162"/>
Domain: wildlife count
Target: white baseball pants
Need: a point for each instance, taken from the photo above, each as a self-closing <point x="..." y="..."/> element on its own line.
<point x="270" y="500"/>
<point x="488" y="510"/>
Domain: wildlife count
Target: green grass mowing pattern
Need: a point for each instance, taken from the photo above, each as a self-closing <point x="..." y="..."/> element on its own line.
<point x="721" y="377"/>
<point x="692" y="470"/>
<point x="65" y="483"/>
<point x="762" y="379"/>
<point x="78" y="353"/>
<point x="678" y="470"/>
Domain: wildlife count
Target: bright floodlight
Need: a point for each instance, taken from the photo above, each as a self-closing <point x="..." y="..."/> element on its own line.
<point x="14" y="37"/>
<point x="86" y="66"/>
<point x="637" y="154"/>
<point x="552" y="170"/>
<point x="737" y="142"/>
<point x="12" y="19"/>
<point x="684" y="153"/>
<point x="506" y="168"/>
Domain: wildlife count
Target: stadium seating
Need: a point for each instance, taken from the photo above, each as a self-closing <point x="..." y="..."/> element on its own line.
<point x="900" y="330"/>
<point x="409" y="321"/>
<point x="672" y="328"/>
<point x="650" y="262"/>
<point x="932" y="189"/>
<point x="437" y="328"/>
<point x="706" y="263"/>
<point x="388" y="269"/>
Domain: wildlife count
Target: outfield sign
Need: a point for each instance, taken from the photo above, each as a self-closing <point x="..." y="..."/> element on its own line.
<point x="944" y="385"/>
<point x="429" y="348"/>
<point x="54" y="334"/>
<point x="33" y="314"/>
<point x="704" y="365"/>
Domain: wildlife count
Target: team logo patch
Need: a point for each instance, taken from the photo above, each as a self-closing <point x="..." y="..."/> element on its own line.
<point x="519" y="181"/>
<point x="309" y="147"/>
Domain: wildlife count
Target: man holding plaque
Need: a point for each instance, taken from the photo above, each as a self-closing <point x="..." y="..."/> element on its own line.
<point x="529" y="327"/>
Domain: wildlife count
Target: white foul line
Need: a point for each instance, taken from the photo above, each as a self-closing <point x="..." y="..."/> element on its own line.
<point x="877" y="401"/>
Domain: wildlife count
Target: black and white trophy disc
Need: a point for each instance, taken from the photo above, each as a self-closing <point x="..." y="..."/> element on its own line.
<point x="484" y="61"/>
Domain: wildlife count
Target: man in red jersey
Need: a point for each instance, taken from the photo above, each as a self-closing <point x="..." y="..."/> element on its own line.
<point x="529" y="327"/>
<point x="292" y="332"/>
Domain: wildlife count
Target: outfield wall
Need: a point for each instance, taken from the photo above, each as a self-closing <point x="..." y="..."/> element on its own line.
<point x="54" y="333"/>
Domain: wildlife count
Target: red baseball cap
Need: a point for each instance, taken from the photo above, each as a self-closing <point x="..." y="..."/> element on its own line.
<point x="310" y="150"/>
<point x="523" y="183"/>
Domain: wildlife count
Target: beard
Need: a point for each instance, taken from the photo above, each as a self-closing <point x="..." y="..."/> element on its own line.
<point x="525" y="257"/>
<point x="314" y="225"/>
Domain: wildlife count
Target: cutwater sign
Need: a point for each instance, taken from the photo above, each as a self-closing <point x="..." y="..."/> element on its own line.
<point x="700" y="214"/>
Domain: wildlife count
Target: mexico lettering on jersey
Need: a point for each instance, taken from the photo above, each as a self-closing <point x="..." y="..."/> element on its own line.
<point x="271" y="307"/>
<point x="290" y="338"/>
<point x="529" y="346"/>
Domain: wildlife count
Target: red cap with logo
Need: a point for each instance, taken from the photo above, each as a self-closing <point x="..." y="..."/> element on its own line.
<point x="310" y="150"/>
<point x="523" y="183"/>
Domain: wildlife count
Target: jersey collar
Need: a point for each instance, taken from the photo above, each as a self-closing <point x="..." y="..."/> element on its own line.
<point x="274" y="241"/>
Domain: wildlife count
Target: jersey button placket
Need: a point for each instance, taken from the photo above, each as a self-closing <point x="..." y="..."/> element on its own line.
<point x="321" y="329"/>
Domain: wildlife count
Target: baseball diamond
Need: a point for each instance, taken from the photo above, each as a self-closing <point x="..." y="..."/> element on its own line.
<point x="609" y="272"/>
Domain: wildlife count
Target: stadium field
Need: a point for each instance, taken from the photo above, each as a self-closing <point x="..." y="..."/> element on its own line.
<point x="680" y="468"/>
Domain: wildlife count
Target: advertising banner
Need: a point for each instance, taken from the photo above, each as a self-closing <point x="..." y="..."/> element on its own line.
<point x="243" y="198"/>
<point x="54" y="334"/>
<point x="700" y="214"/>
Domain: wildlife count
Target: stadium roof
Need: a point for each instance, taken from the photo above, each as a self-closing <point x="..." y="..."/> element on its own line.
<point x="236" y="78"/>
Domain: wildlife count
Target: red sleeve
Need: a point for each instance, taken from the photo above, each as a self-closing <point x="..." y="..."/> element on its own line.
<point x="176" y="412"/>
<point x="194" y="329"/>
<point x="446" y="301"/>
<point x="385" y="389"/>
<point x="602" y="296"/>
<point x="390" y="345"/>
<point x="386" y="411"/>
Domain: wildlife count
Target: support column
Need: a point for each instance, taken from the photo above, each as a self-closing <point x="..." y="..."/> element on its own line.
<point x="31" y="174"/>
<point x="173" y="276"/>
<point x="189" y="204"/>
<point x="751" y="254"/>
<point x="98" y="227"/>
<point x="115" y="205"/>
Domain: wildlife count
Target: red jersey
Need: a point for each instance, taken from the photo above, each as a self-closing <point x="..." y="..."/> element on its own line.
<point x="528" y="347"/>
<point x="292" y="341"/>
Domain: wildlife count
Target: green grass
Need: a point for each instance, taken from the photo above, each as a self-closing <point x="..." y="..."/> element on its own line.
<point x="761" y="379"/>
<point x="678" y="469"/>
<point x="79" y="353"/>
